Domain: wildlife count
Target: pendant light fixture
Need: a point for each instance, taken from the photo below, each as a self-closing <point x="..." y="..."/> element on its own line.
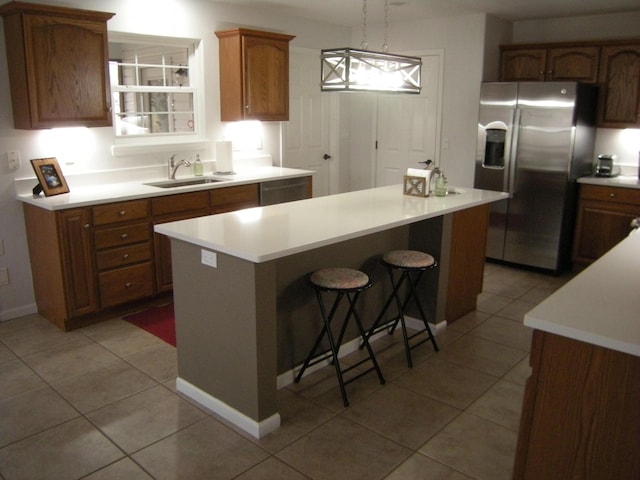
<point x="353" y="70"/>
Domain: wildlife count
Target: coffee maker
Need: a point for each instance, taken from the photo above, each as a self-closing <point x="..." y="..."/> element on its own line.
<point x="604" y="166"/>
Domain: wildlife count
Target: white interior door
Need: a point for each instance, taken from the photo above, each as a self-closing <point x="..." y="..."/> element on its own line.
<point x="408" y="128"/>
<point x="306" y="139"/>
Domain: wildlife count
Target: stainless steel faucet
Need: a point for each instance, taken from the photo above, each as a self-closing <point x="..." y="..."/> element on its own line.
<point x="173" y="166"/>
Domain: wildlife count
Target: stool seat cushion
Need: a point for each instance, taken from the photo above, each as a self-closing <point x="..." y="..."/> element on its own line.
<point x="337" y="278"/>
<point x="408" y="259"/>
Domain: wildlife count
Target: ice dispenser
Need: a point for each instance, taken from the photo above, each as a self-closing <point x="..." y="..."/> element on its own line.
<point x="494" y="147"/>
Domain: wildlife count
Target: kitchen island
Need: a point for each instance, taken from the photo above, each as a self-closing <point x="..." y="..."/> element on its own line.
<point x="581" y="415"/>
<point x="244" y="312"/>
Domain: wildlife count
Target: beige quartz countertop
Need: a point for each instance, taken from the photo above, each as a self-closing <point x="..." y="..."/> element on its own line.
<point x="601" y="305"/>
<point x="623" y="181"/>
<point x="115" y="191"/>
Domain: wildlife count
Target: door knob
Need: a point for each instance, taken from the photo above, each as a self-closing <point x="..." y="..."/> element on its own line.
<point x="326" y="156"/>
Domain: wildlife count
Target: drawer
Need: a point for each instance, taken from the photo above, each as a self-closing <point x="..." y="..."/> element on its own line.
<point x="120" y="212"/>
<point x="180" y="203"/>
<point x="610" y="194"/>
<point x="119" y="236"/>
<point x="241" y="196"/>
<point x="125" y="284"/>
<point x="119" y="257"/>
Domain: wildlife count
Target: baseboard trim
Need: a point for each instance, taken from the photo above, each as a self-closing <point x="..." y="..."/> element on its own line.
<point x="249" y="425"/>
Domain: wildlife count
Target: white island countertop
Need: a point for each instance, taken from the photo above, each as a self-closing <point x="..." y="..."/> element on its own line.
<point x="601" y="305"/>
<point x="267" y="233"/>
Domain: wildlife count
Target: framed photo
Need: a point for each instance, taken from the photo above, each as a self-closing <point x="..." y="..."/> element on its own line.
<point x="50" y="176"/>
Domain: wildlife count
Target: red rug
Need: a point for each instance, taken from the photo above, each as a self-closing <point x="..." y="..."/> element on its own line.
<point x="158" y="321"/>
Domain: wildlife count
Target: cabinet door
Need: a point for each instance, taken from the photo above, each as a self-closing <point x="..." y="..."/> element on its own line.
<point x="601" y="226"/>
<point x="523" y="65"/>
<point x="619" y="104"/>
<point x="77" y="257"/>
<point x="578" y="64"/>
<point x="67" y="72"/>
<point x="266" y="78"/>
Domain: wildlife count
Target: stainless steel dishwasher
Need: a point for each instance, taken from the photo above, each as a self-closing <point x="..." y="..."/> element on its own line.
<point x="281" y="191"/>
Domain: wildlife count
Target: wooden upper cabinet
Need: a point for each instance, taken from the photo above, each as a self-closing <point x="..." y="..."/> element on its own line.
<point x="254" y="75"/>
<point x="578" y="64"/>
<point x="619" y="102"/>
<point x="571" y="63"/>
<point x="58" y="65"/>
<point x="523" y="65"/>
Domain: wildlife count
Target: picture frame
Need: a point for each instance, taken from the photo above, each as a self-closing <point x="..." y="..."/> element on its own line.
<point x="50" y="176"/>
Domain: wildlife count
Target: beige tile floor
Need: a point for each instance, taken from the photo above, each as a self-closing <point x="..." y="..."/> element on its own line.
<point x="100" y="403"/>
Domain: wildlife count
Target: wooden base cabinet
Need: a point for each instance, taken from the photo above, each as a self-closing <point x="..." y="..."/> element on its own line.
<point x="604" y="219"/>
<point x="580" y="416"/>
<point x="62" y="266"/>
<point x="90" y="259"/>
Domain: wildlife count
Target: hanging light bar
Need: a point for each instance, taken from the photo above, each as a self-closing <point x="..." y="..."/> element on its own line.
<point x="350" y="69"/>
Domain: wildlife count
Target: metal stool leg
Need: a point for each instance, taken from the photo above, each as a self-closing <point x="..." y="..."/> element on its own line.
<point x="334" y="347"/>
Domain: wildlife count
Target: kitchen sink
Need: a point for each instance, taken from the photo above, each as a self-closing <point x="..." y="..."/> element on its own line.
<point x="183" y="182"/>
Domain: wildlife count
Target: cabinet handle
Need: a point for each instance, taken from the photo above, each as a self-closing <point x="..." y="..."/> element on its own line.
<point x="127" y="285"/>
<point x="86" y="226"/>
<point x="612" y="195"/>
<point x="124" y="236"/>
<point x="125" y="256"/>
<point x="246" y="107"/>
<point x="122" y="213"/>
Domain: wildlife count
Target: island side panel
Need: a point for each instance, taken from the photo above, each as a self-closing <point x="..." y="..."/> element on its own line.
<point x="226" y="329"/>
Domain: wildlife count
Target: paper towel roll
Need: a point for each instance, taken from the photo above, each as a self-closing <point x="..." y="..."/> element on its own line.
<point x="224" y="156"/>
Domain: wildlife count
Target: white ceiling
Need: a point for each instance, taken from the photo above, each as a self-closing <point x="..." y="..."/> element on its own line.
<point x="349" y="12"/>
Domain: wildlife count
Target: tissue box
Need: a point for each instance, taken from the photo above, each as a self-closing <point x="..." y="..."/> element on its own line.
<point x="416" y="186"/>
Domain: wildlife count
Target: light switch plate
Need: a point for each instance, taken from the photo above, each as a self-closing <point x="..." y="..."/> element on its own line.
<point x="13" y="159"/>
<point x="209" y="258"/>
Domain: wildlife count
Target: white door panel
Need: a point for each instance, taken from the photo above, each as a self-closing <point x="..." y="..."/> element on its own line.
<point x="307" y="133"/>
<point x="407" y="131"/>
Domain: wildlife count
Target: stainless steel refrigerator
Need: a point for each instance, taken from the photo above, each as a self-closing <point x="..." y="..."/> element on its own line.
<point x="534" y="140"/>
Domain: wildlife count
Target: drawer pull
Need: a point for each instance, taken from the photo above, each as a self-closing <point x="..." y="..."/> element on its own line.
<point x="122" y="213"/>
<point x="124" y="236"/>
<point x="86" y="226"/>
<point x="612" y="195"/>
<point x="127" y="285"/>
<point x="125" y="256"/>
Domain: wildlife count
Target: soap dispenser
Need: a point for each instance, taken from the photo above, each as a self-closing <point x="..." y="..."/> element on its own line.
<point x="197" y="167"/>
<point x="441" y="185"/>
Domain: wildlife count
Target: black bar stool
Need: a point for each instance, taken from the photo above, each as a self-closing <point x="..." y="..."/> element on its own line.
<point x="407" y="263"/>
<point x="349" y="283"/>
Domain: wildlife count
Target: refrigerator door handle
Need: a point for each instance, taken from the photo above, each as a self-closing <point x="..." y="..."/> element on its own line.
<point x="513" y="153"/>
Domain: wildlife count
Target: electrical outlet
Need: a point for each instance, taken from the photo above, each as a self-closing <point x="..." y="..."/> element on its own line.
<point x="209" y="258"/>
<point x="13" y="159"/>
<point x="4" y="276"/>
